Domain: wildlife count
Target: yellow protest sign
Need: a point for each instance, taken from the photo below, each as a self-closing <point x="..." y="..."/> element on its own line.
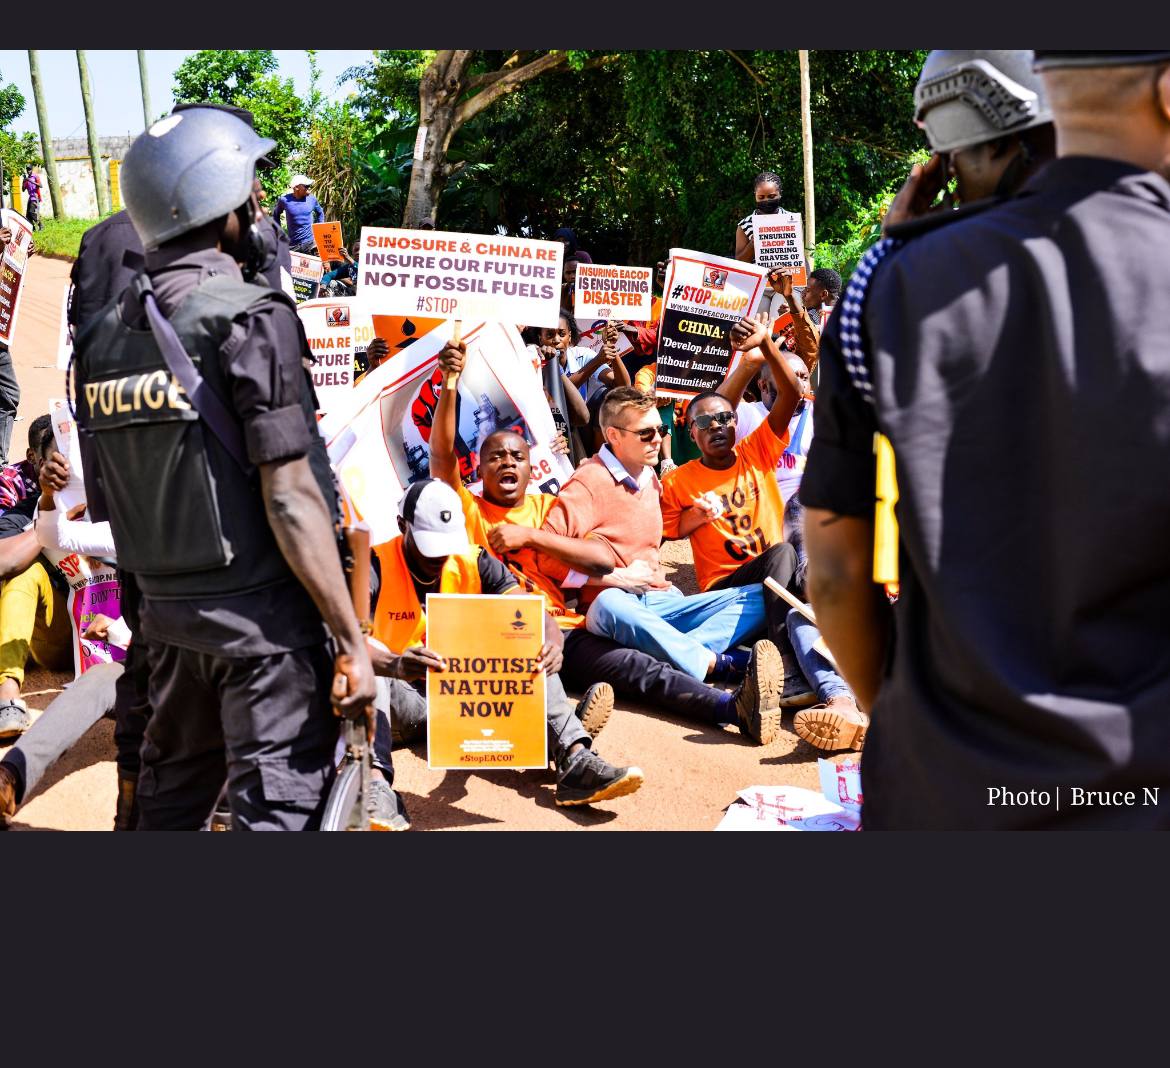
<point x="327" y="238"/>
<point x="487" y="710"/>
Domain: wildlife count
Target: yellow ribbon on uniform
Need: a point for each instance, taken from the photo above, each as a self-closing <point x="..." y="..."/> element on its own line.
<point x="885" y="525"/>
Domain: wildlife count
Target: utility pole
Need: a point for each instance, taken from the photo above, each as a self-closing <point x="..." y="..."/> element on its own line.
<point x="810" y="211"/>
<point x="34" y="69"/>
<point x="99" y="179"/>
<point x="146" y="112"/>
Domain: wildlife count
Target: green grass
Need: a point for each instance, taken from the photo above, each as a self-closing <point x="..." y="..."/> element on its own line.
<point x="62" y="237"/>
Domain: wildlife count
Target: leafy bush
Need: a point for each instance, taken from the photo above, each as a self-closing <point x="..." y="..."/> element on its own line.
<point x="62" y="237"/>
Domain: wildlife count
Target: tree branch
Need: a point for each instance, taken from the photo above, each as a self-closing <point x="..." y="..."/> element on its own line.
<point x="511" y="81"/>
<point x="758" y="80"/>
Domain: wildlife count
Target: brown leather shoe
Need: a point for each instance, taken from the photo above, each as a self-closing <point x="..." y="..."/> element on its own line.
<point x="838" y="726"/>
<point x="7" y="795"/>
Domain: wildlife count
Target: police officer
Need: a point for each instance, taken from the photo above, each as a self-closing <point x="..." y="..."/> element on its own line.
<point x="989" y="127"/>
<point x="1016" y="360"/>
<point x="202" y="448"/>
<point x="108" y="258"/>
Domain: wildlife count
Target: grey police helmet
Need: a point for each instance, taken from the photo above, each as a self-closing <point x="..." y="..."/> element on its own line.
<point x="188" y="169"/>
<point x="966" y="97"/>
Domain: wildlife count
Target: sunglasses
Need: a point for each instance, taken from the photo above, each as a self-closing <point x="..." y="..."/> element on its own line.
<point x="719" y="418"/>
<point x="648" y="434"/>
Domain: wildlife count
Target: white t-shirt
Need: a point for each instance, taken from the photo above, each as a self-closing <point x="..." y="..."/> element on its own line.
<point x="790" y="469"/>
<point x="578" y="356"/>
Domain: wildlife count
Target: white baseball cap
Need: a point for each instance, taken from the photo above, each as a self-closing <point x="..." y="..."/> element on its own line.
<point x="299" y="179"/>
<point x="435" y="514"/>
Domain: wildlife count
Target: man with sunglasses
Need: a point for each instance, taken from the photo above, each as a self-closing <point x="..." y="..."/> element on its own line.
<point x="728" y="501"/>
<point x="615" y="497"/>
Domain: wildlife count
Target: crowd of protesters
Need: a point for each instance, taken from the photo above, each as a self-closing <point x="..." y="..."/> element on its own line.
<point x="648" y="471"/>
<point x="724" y="471"/>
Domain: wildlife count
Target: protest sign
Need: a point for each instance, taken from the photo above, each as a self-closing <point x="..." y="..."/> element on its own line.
<point x="65" y="438"/>
<point x="704" y="297"/>
<point x="12" y="268"/>
<point x="64" y="337"/>
<point x="401" y="331"/>
<point x="327" y="238"/>
<point x="329" y="330"/>
<point x="841" y="781"/>
<point x="611" y="292"/>
<point x="471" y="277"/>
<point x="592" y="336"/>
<point x="306" y="276"/>
<point x="379" y="443"/>
<point x="487" y="709"/>
<point x="779" y="241"/>
<point x="787" y="808"/>
<point x="93" y="584"/>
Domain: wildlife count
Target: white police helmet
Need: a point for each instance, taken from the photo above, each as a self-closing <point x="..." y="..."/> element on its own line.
<point x="966" y="97"/>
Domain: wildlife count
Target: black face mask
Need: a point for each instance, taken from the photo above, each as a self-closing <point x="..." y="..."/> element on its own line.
<point x="768" y="207"/>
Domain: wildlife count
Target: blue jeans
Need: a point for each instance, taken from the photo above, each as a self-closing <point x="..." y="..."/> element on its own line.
<point x="683" y="631"/>
<point x="816" y="668"/>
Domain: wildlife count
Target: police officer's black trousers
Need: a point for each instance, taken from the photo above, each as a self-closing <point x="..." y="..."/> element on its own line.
<point x="265" y="723"/>
<point x="132" y="707"/>
<point x="777" y="562"/>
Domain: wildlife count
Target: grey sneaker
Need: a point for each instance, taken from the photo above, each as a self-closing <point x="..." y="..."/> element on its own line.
<point x="757" y="701"/>
<point x="14" y="719"/>
<point x="593" y="710"/>
<point x="387" y="812"/>
<point x="795" y="691"/>
<point x="585" y="778"/>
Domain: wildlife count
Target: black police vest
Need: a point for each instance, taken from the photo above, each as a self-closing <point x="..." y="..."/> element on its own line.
<point x="186" y="520"/>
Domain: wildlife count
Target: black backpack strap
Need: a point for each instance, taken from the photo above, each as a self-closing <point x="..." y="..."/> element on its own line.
<point x="203" y="399"/>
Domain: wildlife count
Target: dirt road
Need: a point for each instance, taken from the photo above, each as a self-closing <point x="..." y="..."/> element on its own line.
<point x="692" y="771"/>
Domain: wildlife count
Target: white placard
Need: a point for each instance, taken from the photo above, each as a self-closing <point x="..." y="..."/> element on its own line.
<point x="471" y="277"/>
<point x="609" y="291"/>
<point x="779" y="242"/>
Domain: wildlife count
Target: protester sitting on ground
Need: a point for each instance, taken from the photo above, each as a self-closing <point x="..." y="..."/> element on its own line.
<point x="767" y="202"/>
<point x="590" y="373"/>
<point x="302" y="210"/>
<point x="91" y="695"/>
<point x="343" y="272"/>
<point x="836" y="722"/>
<point x="34" y="619"/>
<point x="433" y="555"/>
<point x="820" y="296"/>
<point x="18" y="481"/>
<point x="728" y="503"/>
<point x="506" y="521"/>
<point x="790" y="469"/>
<point x="616" y="496"/>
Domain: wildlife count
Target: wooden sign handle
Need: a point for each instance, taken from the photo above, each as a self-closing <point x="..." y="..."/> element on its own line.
<point x="805" y="610"/>
<point x="452" y="378"/>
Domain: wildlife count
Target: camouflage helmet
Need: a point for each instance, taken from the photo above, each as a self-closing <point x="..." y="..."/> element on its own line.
<point x="966" y="97"/>
<point x="188" y="169"/>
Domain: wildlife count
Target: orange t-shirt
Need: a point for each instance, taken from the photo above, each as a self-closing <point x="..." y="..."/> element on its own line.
<point x="754" y="519"/>
<point x="482" y="517"/>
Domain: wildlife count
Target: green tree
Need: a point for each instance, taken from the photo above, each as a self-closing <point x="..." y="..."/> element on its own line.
<point x="17" y="151"/>
<point x="646" y="150"/>
<point x="248" y="78"/>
